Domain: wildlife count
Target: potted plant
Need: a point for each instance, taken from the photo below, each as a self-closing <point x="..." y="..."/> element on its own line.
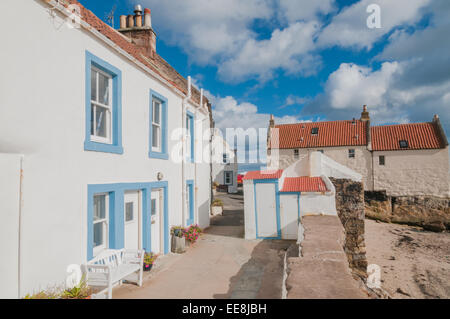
<point x="217" y="207"/>
<point x="149" y="260"/>
<point x="178" y="240"/>
<point x="80" y="291"/>
<point x="192" y="233"/>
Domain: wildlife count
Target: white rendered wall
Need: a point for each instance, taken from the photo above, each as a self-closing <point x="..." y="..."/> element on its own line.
<point x="249" y="210"/>
<point x="317" y="204"/>
<point x="412" y="173"/>
<point x="42" y="116"/>
<point x="10" y="166"/>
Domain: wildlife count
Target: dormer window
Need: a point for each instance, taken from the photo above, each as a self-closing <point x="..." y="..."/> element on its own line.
<point x="404" y="144"/>
<point x="315" y="131"/>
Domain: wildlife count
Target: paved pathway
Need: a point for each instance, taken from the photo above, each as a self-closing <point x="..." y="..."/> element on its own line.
<point x="220" y="265"/>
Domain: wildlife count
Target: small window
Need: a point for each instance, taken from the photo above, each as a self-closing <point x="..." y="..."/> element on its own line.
<point x="381" y="160"/>
<point x="129" y="214"/>
<point x="228" y="178"/>
<point x="225" y="158"/>
<point x="153" y="207"/>
<point x="296" y="154"/>
<point x="100" y="222"/>
<point x="101" y="106"/>
<point x="190" y="142"/>
<point x="351" y="153"/>
<point x="404" y="144"/>
<point x="315" y="131"/>
<point x="156" y="126"/>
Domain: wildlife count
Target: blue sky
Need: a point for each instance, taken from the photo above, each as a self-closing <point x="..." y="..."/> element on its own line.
<point x="306" y="60"/>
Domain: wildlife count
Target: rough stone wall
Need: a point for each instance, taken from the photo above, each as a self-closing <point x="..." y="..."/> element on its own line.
<point x="431" y="213"/>
<point x="350" y="209"/>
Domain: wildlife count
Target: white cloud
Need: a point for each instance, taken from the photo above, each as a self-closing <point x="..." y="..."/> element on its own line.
<point x="349" y="27"/>
<point x="351" y="85"/>
<point x="287" y="49"/>
<point x="295" y="10"/>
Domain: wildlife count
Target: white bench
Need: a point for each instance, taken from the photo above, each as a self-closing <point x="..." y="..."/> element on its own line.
<point x="113" y="266"/>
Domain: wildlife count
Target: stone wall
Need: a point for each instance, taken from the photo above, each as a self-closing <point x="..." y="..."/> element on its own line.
<point x="350" y="209"/>
<point x="431" y="213"/>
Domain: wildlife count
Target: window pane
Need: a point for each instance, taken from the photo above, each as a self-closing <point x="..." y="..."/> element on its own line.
<point x="101" y="115"/>
<point x="129" y="216"/>
<point x="98" y="234"/>
<point x="92" y="119"/>
<point x="103" y="89"/>
<point x="153" y="207"/>
<point x="155" y="136"/>
<point x="93" y="85"/>
<point x="99" y="207"/>
<point x="157" y="113"/>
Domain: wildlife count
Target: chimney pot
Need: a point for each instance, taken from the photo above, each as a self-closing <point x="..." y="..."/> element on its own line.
<point x="138" y="21"/>
<point x="147" y="18"/>
<point x="130" y="21"/>
<point x="123" y="21"/>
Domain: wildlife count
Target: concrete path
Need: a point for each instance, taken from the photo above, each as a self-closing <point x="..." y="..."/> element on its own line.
<point x="220" y="265"/>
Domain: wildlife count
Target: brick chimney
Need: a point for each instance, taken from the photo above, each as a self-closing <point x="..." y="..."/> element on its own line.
<point x="365" y="114"/>
<point x="139" y="30"/>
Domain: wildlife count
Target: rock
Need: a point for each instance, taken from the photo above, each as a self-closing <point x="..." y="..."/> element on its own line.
<point x="436" y="226"/>
<point x="400" y="291"/>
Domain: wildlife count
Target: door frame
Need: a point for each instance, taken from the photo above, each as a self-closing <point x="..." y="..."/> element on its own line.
<point x="277" y="206"/>
<point x="191" y="219"/>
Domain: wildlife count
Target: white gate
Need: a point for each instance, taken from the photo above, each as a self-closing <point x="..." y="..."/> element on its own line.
<point x="289" y="213"/>
<point x="266" y="210"/>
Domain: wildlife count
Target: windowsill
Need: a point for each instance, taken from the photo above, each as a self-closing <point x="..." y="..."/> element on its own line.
<point x="101" y="147"/>
<point x="158" y="155"/>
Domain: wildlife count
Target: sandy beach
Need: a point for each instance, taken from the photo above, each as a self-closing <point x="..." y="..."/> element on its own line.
<point x="414" y="263"/>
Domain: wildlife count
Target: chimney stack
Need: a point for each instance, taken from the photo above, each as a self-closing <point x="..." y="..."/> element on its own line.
<point x="138" y="28"/>
<point x="272" y="121"/>
<point x="365" y="114"/>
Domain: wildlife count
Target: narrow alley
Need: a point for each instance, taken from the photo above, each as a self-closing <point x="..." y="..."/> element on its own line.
<point x="220" y="265"/>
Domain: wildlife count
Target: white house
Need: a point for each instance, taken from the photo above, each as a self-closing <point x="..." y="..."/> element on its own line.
<point x="402" y="160"/>
<point x="224" y="163"/>
<point x="276" y="200"/>
<point x="92" y="123"/>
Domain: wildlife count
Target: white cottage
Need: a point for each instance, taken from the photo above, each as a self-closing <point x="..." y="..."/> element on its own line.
<point x="276" y="200"/>
<point x="92" y="123"/>
<point x="224" y="163"/>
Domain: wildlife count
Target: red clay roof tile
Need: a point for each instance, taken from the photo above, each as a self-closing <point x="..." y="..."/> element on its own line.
<point x="273" y="174"/>
<point x="336" y="133"/>
<point x="304" y="184"/>
<point x="418" y="136"/>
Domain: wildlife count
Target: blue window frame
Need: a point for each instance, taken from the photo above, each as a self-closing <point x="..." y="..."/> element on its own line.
<point x="114" y="124"/>
<point x="158" y="127"/>
<point x="190" y="131"/>
<point x="116" y="222"/>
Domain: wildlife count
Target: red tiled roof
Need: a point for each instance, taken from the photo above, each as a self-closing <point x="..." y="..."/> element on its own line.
<point x="418" y="136"/>
<point x="304" y="184"/>
<point x="158" y="65"/>
<point x="263" y="174"/>
<point x="336" y="133"/>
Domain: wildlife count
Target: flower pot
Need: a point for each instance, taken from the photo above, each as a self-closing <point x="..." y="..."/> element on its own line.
<point x="178" y="244"/>
<point x="217" y="210"/>
<point x="148" y="267"/>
